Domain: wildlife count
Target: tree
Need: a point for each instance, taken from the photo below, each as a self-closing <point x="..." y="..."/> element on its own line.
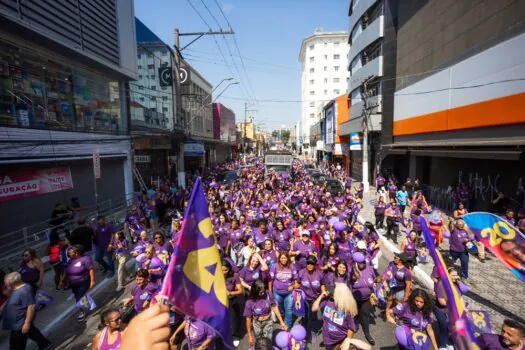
<point x="285" y="136"/>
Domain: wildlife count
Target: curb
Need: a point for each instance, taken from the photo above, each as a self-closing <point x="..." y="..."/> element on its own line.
<point x="421" y="276"/>
<point x="51" y="326"/>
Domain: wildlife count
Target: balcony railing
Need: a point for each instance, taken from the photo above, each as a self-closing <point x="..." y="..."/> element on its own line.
<point x="372" y="68"/>
<point x="371" y="33"/>
<point x="360" y="8"/>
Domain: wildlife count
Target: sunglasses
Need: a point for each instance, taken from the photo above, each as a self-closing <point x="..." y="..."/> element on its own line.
<point x="310" y="263"/>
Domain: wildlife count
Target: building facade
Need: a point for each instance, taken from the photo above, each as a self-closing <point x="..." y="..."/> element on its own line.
<point x="224" y="130"/>
<point x="372" y="56"/>
<point x="459" y="112"/>
<point x="323" y="58"/>
<point x="64" y="74"/>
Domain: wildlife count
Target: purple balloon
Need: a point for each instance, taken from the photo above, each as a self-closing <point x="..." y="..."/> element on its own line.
<point x="401" y="336"/>
<point x="463" y="288"/>
<point x="333" y="220"/>
<point x="446" y="234"/>
<point x="281" y="340"/>
<point x="140" y="258"/>
<point x="275" y="207"/>
<point x="298" y="332"/>
<point x="358" y="257"/>
<point x="339" y="226"/>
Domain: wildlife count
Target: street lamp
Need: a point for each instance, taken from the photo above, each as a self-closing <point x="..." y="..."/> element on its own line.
<point x="227" y="86"/>
<point x="222" y="81"/>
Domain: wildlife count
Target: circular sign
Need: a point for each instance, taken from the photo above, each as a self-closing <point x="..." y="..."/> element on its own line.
<point x="183" y="75"/>
<point x="165" y="77"/>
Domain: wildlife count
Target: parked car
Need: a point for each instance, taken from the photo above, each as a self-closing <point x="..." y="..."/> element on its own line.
<point x="333" y="186"/>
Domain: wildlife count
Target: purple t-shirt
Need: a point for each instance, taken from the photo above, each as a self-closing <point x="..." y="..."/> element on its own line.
<point x="344" y="250"/>
<point x="335" y="323"/>
<point x="249" y="276"/>
<point x="120" y="246"/>
<point x="197" y="332"/>
<point x="489" y="341"/>
<point x="414" y="320"/>
<point x="310" y="283"/>
<point x="236" y="236"/>
<point x="141" y="295"/>
<point x="282" y="239"/>
<point x="103" y="235"/>
<point x="411" y="247"/>
<point x="439" y="290"/>
<point x="259" y="307"/>
<point x="282" y="278"/>
<point x="260" y="237"/>
<point x="78" y="269"/>
<point x="270" y="257"/>
<point x="161" y="248"/>
<point x="330" y="279"/>
<point x="232" y="281"/>
<point x="305" y="250"/>
<point x="362" y="288"/>
<point x="380" y="208"/>
<point x="401" y="276"/>
<point x="457" y="239"/>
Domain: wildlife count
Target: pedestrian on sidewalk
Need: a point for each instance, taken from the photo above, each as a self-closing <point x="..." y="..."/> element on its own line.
<point x="80" y="273"/>
<point x="54" y="251"/>
<point x="19" y="313"/>
<point x="32" y="269"/>
<point x="393" y="216"/>
<point x="402" y="197"/>
<point x="103" y="235"/>
<point x="120" y="249"/>
<point x="459" y="239"/>
<point x="380" y="208"/>
<point x="110" y="335"/>
<point x="83" y="235"/>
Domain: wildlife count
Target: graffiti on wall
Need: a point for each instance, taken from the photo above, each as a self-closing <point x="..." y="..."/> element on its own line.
<point x="484" y="190"/>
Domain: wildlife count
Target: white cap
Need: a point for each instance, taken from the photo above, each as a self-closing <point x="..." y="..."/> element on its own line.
<point x="361" y="245"/>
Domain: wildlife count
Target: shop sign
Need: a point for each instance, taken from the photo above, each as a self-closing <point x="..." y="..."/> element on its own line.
<point x="193" y="149"/>
<point x="356" y="141"/>
<point x="34" y="182"/>
<point x="142" y="159"/>
<point x="96" y="165"/>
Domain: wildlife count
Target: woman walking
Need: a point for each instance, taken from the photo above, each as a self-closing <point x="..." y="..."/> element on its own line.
<point x="31" y="269"/>
<point x="282" y="277"/>
<point x="80" y="273"/>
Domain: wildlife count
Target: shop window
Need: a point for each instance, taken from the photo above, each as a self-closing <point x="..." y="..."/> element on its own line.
<point x="39" y="90"/>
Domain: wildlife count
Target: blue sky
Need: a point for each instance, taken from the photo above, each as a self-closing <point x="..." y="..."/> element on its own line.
<point x="268" y="34"/>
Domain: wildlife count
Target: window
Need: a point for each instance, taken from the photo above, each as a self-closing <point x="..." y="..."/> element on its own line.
<point x="326" y="92"/>
<point x="312" y="93"/>
<point x="312" y="70"/>
<point x="325" y="44"/>
<point x="153" y="98"/>
<point x="312" y="81"/>
<point x="347" y="79"/>
<point x="151" y="66"/>
<point x="336" y="91"/>
<point x="139" y="56"/>
<point x="326" y="80"/>
<point x="152" y="76"/>
<point x="150" y="55"/>
<point x="141" y="87"/>
<point x="312" y="104"/>
<point x="336" y="80"/>
<point x="336" y="44"/>
<point x="336" y="57"/>
<point x="164" y="88"/>
<point x="336" y="68"/>
<point x="164" y="109"/>
<point x="140" y="76"/>
<point x="325" y="57"/>
<point x="153" y="87"/>
<point x="139" y="66"/>
<point x="164" y="53"/>
<point x="311" y="47"/>
<point x="164" y="98"/>
<point x="325" y="68"/>
<point x="164" y="64"/>
<point x="312" y="59"/>
<point x="312" y="115"/>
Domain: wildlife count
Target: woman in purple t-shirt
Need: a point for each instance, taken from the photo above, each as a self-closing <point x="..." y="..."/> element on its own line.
<point x="80" y="273"/>
<point x="362" y="284"/>
<point x="198" y="334"/>
<point x="252" y="271"/>
<point x="416" y="313"/>
<point x="282" y="276"/>
<point x="258" y="313"/>
<point x="339" y="309"/>
<point x="234" y="291"/>
<point x="410" y="244"/>
<point x="340" y="275"/>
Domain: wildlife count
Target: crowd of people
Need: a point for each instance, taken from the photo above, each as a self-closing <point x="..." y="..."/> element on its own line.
<point x="284" y="239"/>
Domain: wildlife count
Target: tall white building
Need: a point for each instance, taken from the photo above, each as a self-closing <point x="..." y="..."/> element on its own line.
<point x="324" y="76"/>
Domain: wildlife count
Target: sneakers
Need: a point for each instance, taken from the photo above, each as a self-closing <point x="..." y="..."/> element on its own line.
<point x="119" y="289"/>
<point x="236" y="343"/>
<point x="370" y="340"/>
<point x="81" y="316"/>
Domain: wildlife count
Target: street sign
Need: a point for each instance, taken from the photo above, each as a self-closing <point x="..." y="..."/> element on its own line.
<point x="183" y="75"/>
<point x="142" y="159"/>
<point x="165" y="76"/>
<point x="96" y="166"/>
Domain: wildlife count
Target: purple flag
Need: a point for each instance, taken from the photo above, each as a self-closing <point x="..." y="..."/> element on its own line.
<point x="194" y="282"/>
<point x="481" y="321"/>
<point x="417" y="340"/>
<point x="86" y="303"/>
<point x="299" y="308"/>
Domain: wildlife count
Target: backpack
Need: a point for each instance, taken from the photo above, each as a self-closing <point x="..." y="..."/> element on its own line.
<point x="54" y="254"/>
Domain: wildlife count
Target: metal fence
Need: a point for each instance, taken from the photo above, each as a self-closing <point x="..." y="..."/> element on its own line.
<point x="36" y="236"/>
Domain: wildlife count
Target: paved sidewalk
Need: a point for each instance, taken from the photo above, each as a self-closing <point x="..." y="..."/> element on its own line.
<point x="492" y="286"/>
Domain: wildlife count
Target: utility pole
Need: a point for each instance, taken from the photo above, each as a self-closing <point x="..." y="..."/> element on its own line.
<point x="245" y="139"/>
<point x="366" y="117"/>
<point x="178" y="95"/>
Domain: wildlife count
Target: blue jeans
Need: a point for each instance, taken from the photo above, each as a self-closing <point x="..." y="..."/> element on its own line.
<point x="285" y="304"/>
<point x="443" y="337"/>
<point x="463" y="258"/>
<point x="107" y="263"/>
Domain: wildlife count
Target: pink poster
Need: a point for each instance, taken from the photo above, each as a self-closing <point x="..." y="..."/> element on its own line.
<point x="34" y="182"/>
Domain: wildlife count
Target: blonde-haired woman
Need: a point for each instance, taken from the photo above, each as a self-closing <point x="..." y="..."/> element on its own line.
<point x="339" y="309"/>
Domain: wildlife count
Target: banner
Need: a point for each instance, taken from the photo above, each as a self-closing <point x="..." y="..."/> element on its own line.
<point x="34" y="182"/>
<point x="298" y="298"/>
<point x="481" y="321"/>
<point x="356" y="141"/>
<point x="502" y="239"/>
<point x="463" y="329"/>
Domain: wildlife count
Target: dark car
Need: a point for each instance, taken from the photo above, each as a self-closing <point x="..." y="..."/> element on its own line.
<point x="333" y="186"/>
<point x="317" y="177"/>
<point x="228" y="177"/>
